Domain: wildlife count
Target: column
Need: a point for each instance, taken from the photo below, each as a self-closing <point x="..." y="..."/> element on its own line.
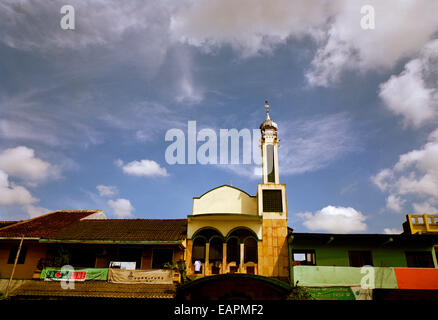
<point x="224" y="258"/>
<point x="242" y="257"/>
<point x="207" y="259"/>
<point x="188" y="257"/>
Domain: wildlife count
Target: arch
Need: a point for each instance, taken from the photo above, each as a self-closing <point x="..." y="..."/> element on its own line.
<point x="208" y="233"/>
<point x="222" y="186"/>
<point x="225" y="200"/>
<point x="241" y="233"/>
<point x="234" y="286"/>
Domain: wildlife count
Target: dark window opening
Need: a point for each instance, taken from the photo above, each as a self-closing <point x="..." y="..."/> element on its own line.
<point x="130" y="255"/>
<point x="250" y="270"/>
<point x="272" y="201"/>
<point x="233" y="250"/>
<point x="83" y="257"/>
<point x="215" y="270"/>
<point x="13" y="254"/>
<point x="198" y="250"/>
<point x="304" y="257"/>
<point x="360" y="258"/>
<point x="160" y="257"/>
<point x="233" y="269"/>
<point x="250" y="250"/>
<point x="271" y="162"/>
<point x="216" y="250"/>
<point x="419" y="259"/>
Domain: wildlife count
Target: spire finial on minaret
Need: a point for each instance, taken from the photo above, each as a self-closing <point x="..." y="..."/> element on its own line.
<point x="267" y="109"/>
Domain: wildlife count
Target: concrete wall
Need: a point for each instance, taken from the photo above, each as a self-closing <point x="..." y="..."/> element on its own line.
<point x="389" y="256"/>
<point x="273" y="253"/>
<point x="225" y="199"/>
<point x="35" y="251"/>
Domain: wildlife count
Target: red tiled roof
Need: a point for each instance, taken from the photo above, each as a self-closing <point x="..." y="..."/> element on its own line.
<point x="125" y="230"/>
<point x="6" y="223"/>
<point x="95" y="289"/>
<point x="43" y="226"/>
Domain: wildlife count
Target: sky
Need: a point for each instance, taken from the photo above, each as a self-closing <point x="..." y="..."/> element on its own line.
<point x="84" y="112"/>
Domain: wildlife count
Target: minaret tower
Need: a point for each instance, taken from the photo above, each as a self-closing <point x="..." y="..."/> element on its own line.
<point x="269" y="149"/>
<point x="272" y="205"/>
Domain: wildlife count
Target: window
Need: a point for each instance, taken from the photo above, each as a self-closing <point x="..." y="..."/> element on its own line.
<point x="13" y="254"/>
<point x="82" y="257"/>
<point x="360" y="258"/>
<point x="419" y="259"/>
<point x="271" y="162"/>
<point x="272" y="201"/>
<point x="250" y="270"/>
<point x="304" y="257"/>
<point x="160" y="257"/>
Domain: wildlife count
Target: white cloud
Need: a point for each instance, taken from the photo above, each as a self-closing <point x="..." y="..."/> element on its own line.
<point x="249" y="26"/>
<point x="414" y="175"/>
<point x="105" y="191"/>
<point x="412" y="94"/>
<point x="21" y="162"/>
<point x="144" y="168"/>
<point x="392" y="231"/>
<point x="395" y="203"/>
<point x="11" y="194"/>
<point x="334" y="219"/>
<point x="34" y="211"/>
<point x="256" y="26"/>
<point x="122" y="208"/>
<point x="346" y="46"/>
<point x="429" y="206"/>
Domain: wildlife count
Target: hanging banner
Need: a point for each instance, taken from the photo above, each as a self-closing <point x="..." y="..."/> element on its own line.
<point x="154" y="276"/>
<point x="76" y="275"/>
<point x="340" y="293"/>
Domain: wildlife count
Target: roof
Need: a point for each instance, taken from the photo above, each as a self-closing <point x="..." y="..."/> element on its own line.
<point x="6" y="223"/>
<point x="94" y="289"/>
<point x="126" y="230"/>
<point x="43" y="226"/>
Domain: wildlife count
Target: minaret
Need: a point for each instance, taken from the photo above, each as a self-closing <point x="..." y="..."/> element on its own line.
<point x="272" y="206"/>
<point x="269" y="149"/>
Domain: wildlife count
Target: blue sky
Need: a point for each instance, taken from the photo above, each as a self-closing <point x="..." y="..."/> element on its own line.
<point x="357" y="109"/>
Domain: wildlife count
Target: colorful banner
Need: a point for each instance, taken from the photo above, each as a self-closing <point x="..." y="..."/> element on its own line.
<point x="76" y="275"/>
<point x="340" y="293"/>
<point x="154" y="276"/>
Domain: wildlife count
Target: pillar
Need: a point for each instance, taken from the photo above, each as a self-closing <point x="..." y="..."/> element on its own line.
<point x="242" y="257"/>
<point x="224" y="257"/>
<point x="207" y="259"/>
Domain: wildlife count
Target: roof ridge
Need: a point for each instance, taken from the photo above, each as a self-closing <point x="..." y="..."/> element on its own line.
<point x="44" y="215"/>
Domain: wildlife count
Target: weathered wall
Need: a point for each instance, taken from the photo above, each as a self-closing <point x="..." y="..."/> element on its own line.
<point x="35" y="251"/>
<point x="274" y="255"/>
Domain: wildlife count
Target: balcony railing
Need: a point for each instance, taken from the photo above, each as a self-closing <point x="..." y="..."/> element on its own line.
<point x="423" y="223"/>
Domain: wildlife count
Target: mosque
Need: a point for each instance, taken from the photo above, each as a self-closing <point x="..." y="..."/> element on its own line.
<point x="232" y="246"/>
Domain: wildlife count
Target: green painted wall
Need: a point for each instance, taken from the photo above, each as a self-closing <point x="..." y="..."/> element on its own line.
<point x="383" y="256"/>
<point x="311" y="276"/>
